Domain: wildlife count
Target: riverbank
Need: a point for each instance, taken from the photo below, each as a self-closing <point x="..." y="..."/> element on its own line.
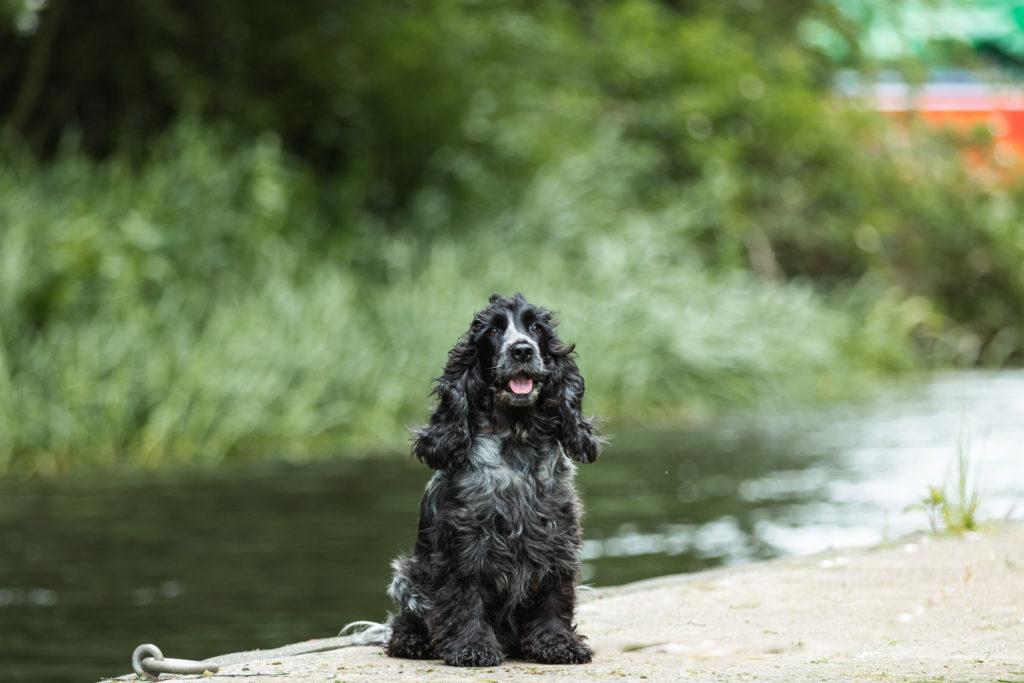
<point x="946" y="609"/>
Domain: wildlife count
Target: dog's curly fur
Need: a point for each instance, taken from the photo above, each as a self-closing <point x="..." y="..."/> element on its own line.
<point x="496" y="560"/>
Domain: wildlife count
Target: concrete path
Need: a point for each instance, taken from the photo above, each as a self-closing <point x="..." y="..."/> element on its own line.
<point x="949" y="609"/>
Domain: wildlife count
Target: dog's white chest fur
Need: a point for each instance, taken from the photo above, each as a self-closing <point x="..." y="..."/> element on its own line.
<point x="497" y="466"/>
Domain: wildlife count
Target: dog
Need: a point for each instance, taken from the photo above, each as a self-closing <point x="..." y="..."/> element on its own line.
<point x="494" y="568"/>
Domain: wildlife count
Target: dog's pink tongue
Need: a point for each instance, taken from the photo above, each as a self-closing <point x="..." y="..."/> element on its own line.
<point x="521" y="385"/>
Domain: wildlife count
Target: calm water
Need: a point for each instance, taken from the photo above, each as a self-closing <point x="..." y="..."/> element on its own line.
<point x="203" y="562"/>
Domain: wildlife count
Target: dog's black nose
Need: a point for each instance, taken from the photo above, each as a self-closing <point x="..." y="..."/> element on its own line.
<point x="522" y="352"/>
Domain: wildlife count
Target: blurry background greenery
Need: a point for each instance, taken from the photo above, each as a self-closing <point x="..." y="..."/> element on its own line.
<point x="245" y="228"/>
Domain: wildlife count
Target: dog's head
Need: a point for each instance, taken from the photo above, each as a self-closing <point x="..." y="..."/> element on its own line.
<point x="509" y="365"/>
<point x="513" y="339"/>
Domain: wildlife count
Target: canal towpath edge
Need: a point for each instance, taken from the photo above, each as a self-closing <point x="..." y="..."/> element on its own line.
<point x="919" y="609"/>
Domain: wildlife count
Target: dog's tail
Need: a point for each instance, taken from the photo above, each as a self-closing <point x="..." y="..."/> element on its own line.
<point x="366" y="633"/>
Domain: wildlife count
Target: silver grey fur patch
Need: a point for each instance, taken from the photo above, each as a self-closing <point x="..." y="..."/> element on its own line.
<point x="508" y="483"/>
<point x="402" y="591"/>
<point x="489" y="471"/>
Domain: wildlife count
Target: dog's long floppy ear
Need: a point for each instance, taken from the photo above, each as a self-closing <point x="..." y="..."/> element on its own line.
<point x="575" y="432"/>
<point x="446" y="441"/>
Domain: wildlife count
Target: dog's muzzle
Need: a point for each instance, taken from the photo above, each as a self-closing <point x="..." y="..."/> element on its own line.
<point x="519" y="374"/>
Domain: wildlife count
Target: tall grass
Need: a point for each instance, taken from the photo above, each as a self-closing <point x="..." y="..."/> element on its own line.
<point x="205" y="307"/>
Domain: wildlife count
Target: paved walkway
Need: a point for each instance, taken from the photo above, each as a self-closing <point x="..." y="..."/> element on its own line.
<point x="949" y="609"/>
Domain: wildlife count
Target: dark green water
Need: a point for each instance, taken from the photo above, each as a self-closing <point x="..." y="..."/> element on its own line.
<point x="203" y="562"/>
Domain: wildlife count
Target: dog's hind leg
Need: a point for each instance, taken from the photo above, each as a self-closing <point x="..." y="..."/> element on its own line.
<point x="409" y="637"/>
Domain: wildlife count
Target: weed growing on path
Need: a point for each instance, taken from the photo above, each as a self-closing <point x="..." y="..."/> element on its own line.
<point x="953" y="507"/>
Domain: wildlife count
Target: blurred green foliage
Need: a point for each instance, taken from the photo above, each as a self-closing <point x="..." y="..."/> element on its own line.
<point x="256" y="228"/>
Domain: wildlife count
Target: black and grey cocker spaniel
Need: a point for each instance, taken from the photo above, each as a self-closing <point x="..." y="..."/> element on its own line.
<point x="496" y="560"/>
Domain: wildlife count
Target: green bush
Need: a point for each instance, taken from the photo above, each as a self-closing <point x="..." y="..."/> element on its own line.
<point x="183" y="312"/>
<point x="717" y="230"/>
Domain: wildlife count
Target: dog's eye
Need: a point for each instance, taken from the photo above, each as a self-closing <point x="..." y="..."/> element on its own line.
<point x="491" y="332"/>
<point x="536" y="329"/>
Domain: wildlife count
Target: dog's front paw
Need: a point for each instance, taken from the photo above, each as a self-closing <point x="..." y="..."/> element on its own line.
<point x="558" y="648"/>
<point x="473" y="655"/>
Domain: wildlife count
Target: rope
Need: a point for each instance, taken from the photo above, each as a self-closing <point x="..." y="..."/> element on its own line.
<point x="149" y="662"/>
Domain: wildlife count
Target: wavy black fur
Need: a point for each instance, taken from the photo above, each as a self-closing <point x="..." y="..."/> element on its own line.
<point x="496" y="561"/>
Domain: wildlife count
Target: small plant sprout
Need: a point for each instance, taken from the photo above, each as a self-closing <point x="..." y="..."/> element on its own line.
<point x="953" y="508"/>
